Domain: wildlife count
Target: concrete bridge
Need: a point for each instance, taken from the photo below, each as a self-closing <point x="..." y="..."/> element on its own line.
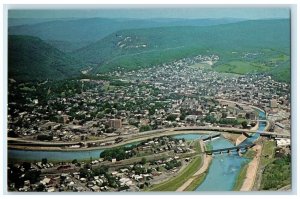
<point x="228" y="150"/>
<point x="211" y="137"/>
<point x="232" y="130"/>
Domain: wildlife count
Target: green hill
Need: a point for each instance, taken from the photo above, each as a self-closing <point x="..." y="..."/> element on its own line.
<point x="78" y="32"/>
<point x="131" y="49"/>
<point x="29" y="59"/>
<point x="243" y="47"/>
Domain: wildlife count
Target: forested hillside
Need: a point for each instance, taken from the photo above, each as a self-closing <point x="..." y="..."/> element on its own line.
<point x="29" y="59"/>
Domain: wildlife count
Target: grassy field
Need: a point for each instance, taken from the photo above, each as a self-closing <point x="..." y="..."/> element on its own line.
<point x="250" y="154"/>
<point x="209" y="146"/>
<point x="240" y="178"/>
<point x="267" y="154"/>
<point x="241" y="67"/>
<point x="197" y="146"/>
<point x="174" y="183"/>
<point x="196" y="182"/>
<point x="279" y="58"/>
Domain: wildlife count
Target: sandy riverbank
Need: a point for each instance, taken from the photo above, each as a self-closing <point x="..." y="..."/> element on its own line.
<point x="252" y="170"/>
<point x="231" y="137"/>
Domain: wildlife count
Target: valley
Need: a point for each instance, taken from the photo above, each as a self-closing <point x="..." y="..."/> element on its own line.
<point x="149" y="104"/>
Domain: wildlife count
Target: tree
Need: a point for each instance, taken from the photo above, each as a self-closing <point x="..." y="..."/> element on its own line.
<point x="44" y="161"/>
<point x="145" y="128"/>
<point x="83" y="172"/>
<point x="26" y="165"/>
<point x="141" y="186"/>
<point x="40" y="187"/>
<point x="75" y="161"/>
<point x="171" y="118"/>
<point x="44" y="137"/>
<point x="100" y="170"/>
<point x="244" y="124"/>
<point x="224" y="114"/>
<point x="143" y="161"/>
<point x="33" y="176"/>
<point x="210" y="118"/>
<point x="182" y="116"/>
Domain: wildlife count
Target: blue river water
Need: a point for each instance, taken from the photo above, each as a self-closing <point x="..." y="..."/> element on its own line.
<point x="223" y="170"/>
<point x="53" y="155"/>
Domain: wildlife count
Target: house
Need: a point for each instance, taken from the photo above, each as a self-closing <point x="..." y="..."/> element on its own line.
<point x="114" y="173"/>
<point x="99" y="182"/>
<point x="71" y="185"/>
<point x="95" y="188"/>
<point x="45" y="181"/>
<point x="51" y="189"/>
<point x="82" y="179"/>
<point x="124" y="170"/>
<point x="26" y="183"/>
<point x="137" y="177"/>
<point x="125" y="181"/>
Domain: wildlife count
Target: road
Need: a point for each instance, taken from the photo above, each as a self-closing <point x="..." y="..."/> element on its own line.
<point x="133" y="138"/>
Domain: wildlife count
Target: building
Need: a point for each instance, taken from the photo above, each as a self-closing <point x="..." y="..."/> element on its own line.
<point x="66" y="119"/>
<point x="251" y="115"/>
<point x="115" y="123"/>
<point x="273" y="103"/>
<point x="282" y="142"/>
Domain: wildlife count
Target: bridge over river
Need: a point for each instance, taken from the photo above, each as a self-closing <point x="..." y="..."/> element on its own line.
<point x="228" y="150"/>
<point x="233" y="130"/>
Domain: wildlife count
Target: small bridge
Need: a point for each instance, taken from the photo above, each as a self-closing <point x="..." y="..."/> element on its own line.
<point x="228" y="150"/>
<point x="211" y="137"/>
<point x="259" y="120"/>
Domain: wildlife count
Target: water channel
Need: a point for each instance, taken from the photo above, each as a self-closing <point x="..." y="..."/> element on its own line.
<point x="224" y="168"/>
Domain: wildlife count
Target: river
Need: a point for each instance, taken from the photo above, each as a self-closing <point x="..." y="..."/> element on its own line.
<point x="224" y="168"/>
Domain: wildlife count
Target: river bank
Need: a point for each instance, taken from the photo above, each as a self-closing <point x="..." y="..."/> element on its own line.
<point x="205" y="165"/>
<point x="252" y="170"/>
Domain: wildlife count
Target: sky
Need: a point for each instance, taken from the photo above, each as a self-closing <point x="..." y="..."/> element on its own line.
<point x="154" y="12"/>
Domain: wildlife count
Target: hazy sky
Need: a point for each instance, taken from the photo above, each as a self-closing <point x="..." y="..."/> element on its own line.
<point x="160" y="12"/>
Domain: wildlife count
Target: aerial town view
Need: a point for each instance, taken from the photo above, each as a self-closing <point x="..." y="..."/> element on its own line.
<point x="149" y="100"/>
